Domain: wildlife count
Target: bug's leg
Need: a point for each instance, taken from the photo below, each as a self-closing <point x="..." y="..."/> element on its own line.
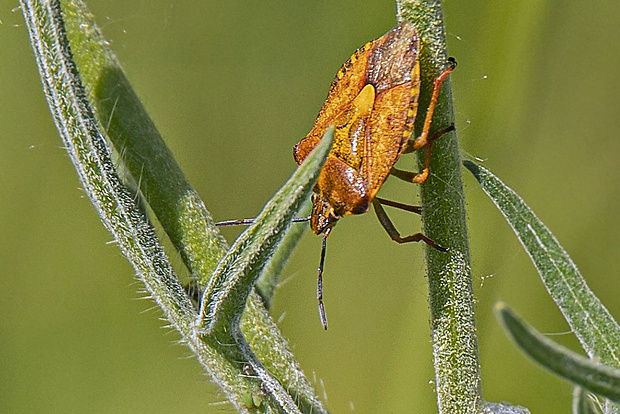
<point x="395" y="235"/>
<point x="411" y="144"/>
<point x="419" y="178"/>
<point x="403" y="175"/>
<point x="406" y="207"/>
<point x="319" y="286"/>
<point x="421" y="141"/>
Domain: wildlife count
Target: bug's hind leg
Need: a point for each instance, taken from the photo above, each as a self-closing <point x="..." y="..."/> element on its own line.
<point x="395" y="235"/>
<point x="419" y="178"/>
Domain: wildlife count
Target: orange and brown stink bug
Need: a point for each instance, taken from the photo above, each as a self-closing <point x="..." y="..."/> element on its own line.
<point x="373" y="103"/>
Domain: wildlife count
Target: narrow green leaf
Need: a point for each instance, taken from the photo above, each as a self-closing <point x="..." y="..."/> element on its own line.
<point x="234" y="278"/>
<point x="591" y="322"/>
<point x="593" y="376"/>
<point x="267" y="282"/>
<point x="582" y="402"/>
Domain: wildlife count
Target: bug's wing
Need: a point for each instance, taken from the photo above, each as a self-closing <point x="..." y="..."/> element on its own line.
<point x="393" y="57"/>
<point x="386" y="63"/>
<point x="345" y="87"/>
<point x="394" y="70"/>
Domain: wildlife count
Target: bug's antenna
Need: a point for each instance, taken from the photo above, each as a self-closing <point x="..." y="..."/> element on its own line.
<point x="241" y="222"/>
<point x="247" y="222"/>
<point x="319" y="286"/>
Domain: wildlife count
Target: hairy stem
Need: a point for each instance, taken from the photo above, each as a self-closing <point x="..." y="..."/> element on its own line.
<point x="453" y="324"/>
<point x="271" y="383"/>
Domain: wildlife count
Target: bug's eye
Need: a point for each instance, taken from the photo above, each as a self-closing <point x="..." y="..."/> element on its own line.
<point x="332" y="217"/>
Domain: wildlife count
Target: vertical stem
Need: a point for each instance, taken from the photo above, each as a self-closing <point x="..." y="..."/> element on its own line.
<point x="453" y="324"/>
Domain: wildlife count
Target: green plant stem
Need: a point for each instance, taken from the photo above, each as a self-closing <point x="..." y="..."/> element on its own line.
<point x="281" y="387"/>
<point x="141" y="148"/>
<point x="453" y="324"/>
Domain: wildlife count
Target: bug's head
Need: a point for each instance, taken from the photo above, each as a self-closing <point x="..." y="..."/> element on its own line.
<point x="323" y="216"/>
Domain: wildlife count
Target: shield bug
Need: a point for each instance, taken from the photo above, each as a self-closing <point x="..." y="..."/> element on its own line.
<point x="372" y="102"/>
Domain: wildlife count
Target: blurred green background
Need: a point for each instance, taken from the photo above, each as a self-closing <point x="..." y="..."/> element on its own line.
<point x="233" y="86"/>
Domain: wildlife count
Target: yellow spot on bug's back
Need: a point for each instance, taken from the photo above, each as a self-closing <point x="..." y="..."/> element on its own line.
<point x="364" y="101"/>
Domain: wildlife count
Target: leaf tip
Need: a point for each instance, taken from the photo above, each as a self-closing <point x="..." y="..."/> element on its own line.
<point x="504" y="314"/>
<point x="473" y="168"/>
